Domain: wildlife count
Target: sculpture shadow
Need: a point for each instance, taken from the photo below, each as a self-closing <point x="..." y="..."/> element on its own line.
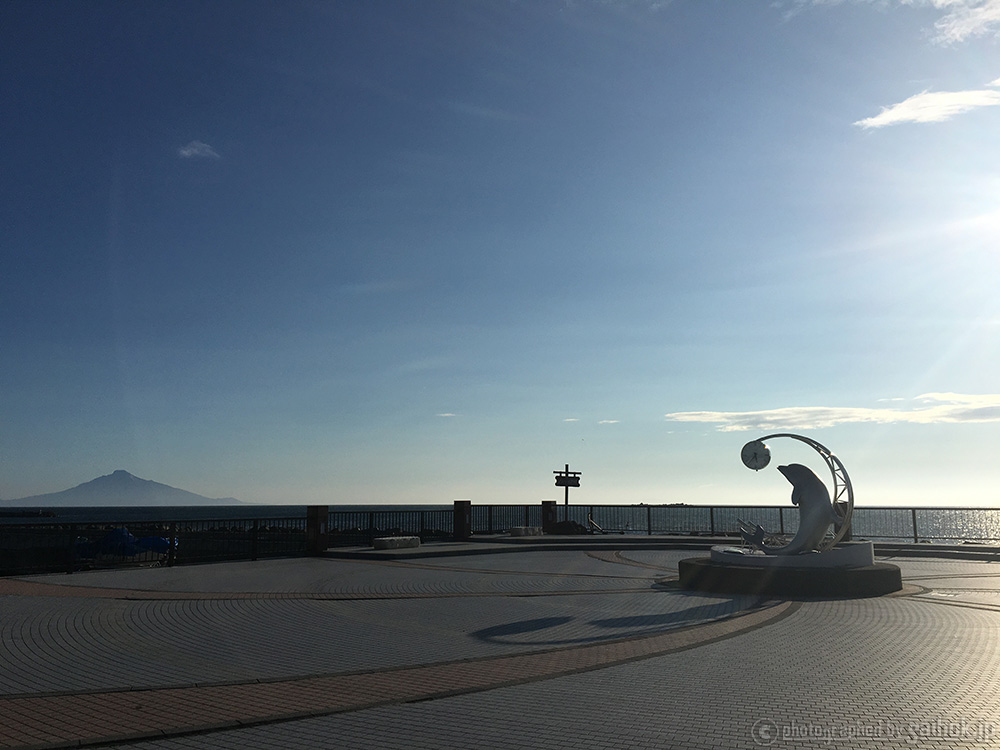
<point x="700" y="613"/>
<point x="516" y="628"/>
<point x="584" y="632"/>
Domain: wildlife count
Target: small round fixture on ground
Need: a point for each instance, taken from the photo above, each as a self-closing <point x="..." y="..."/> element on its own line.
<point x="755" y="455"/>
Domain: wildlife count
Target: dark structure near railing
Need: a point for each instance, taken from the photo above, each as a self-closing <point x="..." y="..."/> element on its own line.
<point x="61" y="547"/>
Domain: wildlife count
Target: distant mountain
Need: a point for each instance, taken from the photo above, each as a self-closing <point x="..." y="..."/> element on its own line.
<point x="120" y="489"/>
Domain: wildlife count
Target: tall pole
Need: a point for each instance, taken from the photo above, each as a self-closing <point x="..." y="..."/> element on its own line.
<point x="566" y="501"/>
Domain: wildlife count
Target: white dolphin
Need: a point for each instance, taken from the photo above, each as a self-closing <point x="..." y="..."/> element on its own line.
<point x="815" y="513"/>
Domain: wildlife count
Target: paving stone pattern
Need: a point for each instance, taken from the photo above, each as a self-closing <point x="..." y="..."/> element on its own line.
<point x="531" y="649"/>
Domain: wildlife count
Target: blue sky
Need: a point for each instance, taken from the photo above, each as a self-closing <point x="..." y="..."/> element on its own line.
<point x="411" y="252"/>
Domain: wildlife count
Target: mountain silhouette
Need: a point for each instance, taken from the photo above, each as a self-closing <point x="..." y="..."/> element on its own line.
<point x="120" y="489"/>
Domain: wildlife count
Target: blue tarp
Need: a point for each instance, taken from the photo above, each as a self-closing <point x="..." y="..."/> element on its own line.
<point x="121" y="543"/>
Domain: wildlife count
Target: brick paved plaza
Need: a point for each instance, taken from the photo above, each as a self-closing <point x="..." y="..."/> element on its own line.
<point x="527" y="649"/>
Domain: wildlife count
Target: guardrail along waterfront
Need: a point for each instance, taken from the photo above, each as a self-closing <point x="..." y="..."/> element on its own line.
<point x="68" y="547"/>
<point x="353" y="528"/>
<point x="943" y="525"/>
<point x="36" y="547"/>
<point x="49" y="547"/>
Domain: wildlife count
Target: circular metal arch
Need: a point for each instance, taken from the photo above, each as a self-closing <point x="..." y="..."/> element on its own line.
<point x="843" y="492"/>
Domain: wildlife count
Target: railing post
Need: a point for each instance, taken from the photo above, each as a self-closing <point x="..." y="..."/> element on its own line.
<point x="71" y="552"/>
<point x="649" y="520"/>
<point x="463" y="519"/>
<point x="254" y="537"/>
<point x="172" y="549"/>
<point x="913" y="515"/>
<point x="489" y="520"/>
<point x="423" y="524"/>
<point x="527" y="516"/>
<point x="371" y="528"/>
<point x="711" y="521"/>
<point x="317" y="521"/>
<point x="781" y="519"/>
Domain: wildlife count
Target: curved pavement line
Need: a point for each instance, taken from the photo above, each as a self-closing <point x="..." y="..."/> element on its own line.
<point x="33" y="587"/>
<point x="80" y="719"/>
<point x="619" y="558"/>
<point x="495" y="571"/>
<point x="981" y="606"/>
<point x="953" y="576"/>
<point x="16" y="587"/>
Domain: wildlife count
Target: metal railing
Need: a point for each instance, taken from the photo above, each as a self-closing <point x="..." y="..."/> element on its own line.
<point x="497" y="519"/>
<point x="885" y="524"/>
<point x="975" y="525"/>
<point x="687" y="520"/>
<point x="37" y="548"/>
<point x="877" y="524"/>
<point x="48" y="547"/>
<point x="353" y="528"/>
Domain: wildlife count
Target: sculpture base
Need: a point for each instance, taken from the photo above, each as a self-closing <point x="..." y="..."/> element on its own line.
<point x="846" y="555"/>
<point x="815" y="576"/>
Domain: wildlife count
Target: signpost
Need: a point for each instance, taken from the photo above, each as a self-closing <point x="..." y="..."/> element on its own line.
<point x="567" y="479"/>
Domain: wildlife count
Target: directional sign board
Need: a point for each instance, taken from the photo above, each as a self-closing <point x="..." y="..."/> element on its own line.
<point x="564" y="481"/>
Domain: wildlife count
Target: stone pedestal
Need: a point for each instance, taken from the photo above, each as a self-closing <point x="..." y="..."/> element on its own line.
<point x="850" y="555"/>
<point x="847" y="571"/>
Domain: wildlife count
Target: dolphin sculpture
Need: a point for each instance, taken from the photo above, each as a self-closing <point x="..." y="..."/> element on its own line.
<point x="815" y="513"/>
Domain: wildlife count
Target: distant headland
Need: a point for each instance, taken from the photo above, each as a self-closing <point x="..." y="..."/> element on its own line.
<point x="119" y="489"/>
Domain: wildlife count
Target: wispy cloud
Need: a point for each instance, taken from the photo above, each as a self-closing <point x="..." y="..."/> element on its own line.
<point x="197" y="150"/>
<point x="964" y="18"/>
<point x="447" y="414"/>
<point x="932" y="408"/>
<point x="932" y="106"/>
<point x="609" y="421"/>
<point x="571" y="419"/>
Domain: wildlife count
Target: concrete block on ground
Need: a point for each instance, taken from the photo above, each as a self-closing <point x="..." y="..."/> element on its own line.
<point x="396" y="542"/>
<point x="526" y="531"/>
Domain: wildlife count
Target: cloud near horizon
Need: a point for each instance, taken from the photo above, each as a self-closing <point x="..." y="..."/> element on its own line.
<point x="936" y="408"/>
<point x="932" y="106"/>
<point x="197" y="150"/>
